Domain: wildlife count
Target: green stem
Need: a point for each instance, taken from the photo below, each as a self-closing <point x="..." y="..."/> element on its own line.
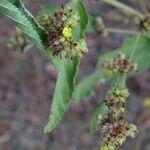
<point x="122" y="31"/>
<point x="129" y="32"/>
<point x="124" y="8"/>
<point x="121" y="81"/>
<point x="131" y="56"/>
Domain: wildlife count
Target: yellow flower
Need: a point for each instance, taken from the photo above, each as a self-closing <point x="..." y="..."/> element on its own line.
<point x="109" y="73"/>
<point x="67" y="32"/>
<point x="104" y="148"/>
<point x="146" y="102"/>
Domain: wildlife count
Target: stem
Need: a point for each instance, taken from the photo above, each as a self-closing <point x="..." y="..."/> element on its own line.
<point x="123" y="31"/>
<point x="131" y="56"/>
<point x="124" y="8"/>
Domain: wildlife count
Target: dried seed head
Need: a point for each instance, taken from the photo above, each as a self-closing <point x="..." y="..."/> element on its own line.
<point x="115" y="133"/>
<point x="120" y="64"/>
<point x="115" y="129"/>
<point x="60" y="31"/>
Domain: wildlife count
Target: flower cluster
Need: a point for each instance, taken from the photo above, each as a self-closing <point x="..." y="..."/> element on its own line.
<point x="145" y="23"/>
<point x="115" y="129"/>
<point x="60" y="30"/>
<point x="116" y="101"/>
<point x="120" y="64"/>
<point x="18" y="41"/>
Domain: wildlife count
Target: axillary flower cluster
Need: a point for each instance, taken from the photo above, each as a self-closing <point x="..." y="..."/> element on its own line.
<point x="60" y="33"/>
<point x="120" y="64"/>
<point x="115" y="129"/>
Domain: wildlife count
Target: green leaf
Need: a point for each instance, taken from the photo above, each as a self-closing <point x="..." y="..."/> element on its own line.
<point x="80" y="29"/>
<point x="141" y="57"/>
<point x="66" y="80"/>
<point x="84" y="88"/>
<point x="16" y="12"/>
<point x="63" y="92"/>
<point x="84" y="17"/>
<point x="95" y="124"/>
<point x="48" y="10"/>
<point x="91" y="27"/>
<point x="23" y="19"/>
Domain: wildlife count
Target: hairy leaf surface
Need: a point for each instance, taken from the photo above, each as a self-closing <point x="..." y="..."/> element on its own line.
<point x="66" y="79"/>
<point x="63" y="92"/>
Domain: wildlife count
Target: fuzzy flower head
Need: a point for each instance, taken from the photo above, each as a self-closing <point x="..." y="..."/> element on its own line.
<point x="60" y="33"/>
<point x="115" y="129"/>
<point x="115" y="133"/>
<point x="120" y="64"/>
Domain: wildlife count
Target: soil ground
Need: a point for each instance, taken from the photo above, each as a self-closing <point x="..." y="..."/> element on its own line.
<point x="27" y="83"/>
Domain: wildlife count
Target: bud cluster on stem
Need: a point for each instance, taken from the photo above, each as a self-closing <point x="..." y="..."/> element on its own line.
<point x="120" y="64"/>
<point x="115" y="128"/>
<point x="60" y="30"/>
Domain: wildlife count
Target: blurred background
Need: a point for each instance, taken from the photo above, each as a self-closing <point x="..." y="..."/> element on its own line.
<point x="27" y="83"/>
